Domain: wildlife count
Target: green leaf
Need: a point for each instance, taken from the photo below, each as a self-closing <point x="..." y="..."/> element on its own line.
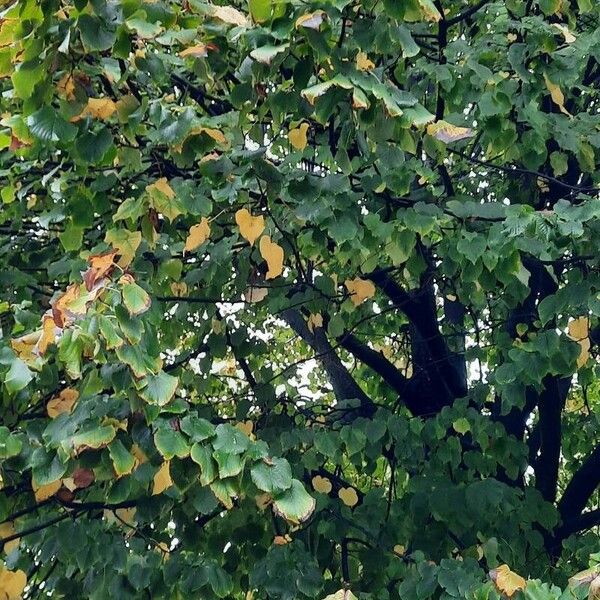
<point x="18" y="376"/>
<point x="159" y="389"/>
<point x="95" y="33"/>
<point x="202" y="456"/>
<point x="47" y="125"/>
<point x="96" y="437"/>
<point x="123" y="460"/>
<point x="272" y="475"/>
<point x="135" y="298"/>
<point x="171" y="443"/>
<point x="295" y="504"/>
<point x="229" y="465"/>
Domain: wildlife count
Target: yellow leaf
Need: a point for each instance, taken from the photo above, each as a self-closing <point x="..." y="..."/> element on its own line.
<point x="12" y="584"/>
<point x="273" y="254"/>
<point x="63" y="403"/>
<point x="363" y="63"/>
<point x="139" y="455"/>
<point x="507" y="581"/>
<point x="360" y="290"/>
<point x="446" y="132"/>
<point x="97" y="108"/>
<point x="399" y="549"/>
<point x="8" y="529"/>
<point x="246" y="426"/>
<point x="321" y="484"/>
<point x="162" y="479"/>
<point x="100" y="266"/>
<point x="311" y="20"/>
<point x="579" y="331"/>
<point x="162" y="186"/>
<point x="298" y="137"/>
<point x="255" y="294"/>
<point x="250" y="227"/>
<point x="230" y="15"/>
<point x="179" y="288"/>
<point x="263" y="501"/>
<point x="314" y="320"/>
<point x="66" y="86"/>
<point x="348" y="496"/>
<point x="198" y="235"/>
<point x="556" y="94"/>
<point x="201" y="50"/>
<point x="282" y="540"/>
<point x="44" y="492"/>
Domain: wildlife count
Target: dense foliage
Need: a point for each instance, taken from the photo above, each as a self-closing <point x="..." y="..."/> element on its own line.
<point x="300" y="299"/>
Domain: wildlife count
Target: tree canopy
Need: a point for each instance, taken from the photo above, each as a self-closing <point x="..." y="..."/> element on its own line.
<point x="300" y="299"/>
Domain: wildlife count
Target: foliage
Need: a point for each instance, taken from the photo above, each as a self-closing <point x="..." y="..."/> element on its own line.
<point x="299" y="299"/>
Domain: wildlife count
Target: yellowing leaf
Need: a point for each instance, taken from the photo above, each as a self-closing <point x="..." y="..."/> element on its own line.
<point x="314" y="320"/>
<point x="215" y="134"/>
<point x="273" y="254"/>
<point x="348" y="496"/>
<point x="363" y="63"/>
<point x="579" y="331"/>
<point x="71" y="305"/>
<point x="198" y="235"/>
<point x="250" y="227"/>
<point x="399" y="549"/>
<point x="179" y="288"/>
<point x="321" y="484"/>
<point x="162" y="185"/>
<point x="446" y="132"/>
<point x="12" y="584"/>
<point x="429" y="11"/>
<point x="98" y="108"/>
<point x="66" y="86"/>
<point x="201" y="50"/>
<point x="125" y="242"/>
<point x="44" y="492"/>
<point x="255" y="294"/>
<point x="230" y="15"/>
<point x="297" y="136"/>
<point x="8" y="529"/>
<point x="282" y="540"/>
<point x="162" y="479"/>
<point x="556" y="94"/>
<point x="311" y="20"/>
<point x="360" y="290"/>
<point x="507" y="581"/>
<point x="246" y="426"/>
<point x="564" y="30"/>
<point x="100" y="266"/>
<point x="63" y="403"/>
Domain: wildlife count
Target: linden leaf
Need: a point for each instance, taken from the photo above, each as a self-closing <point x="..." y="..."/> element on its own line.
<point x="63" y="403"/>
<point x="135" y="298"/>
<point x="312" y="20"/>
<point x="446" y="132"/>
<point x="273" y="254"/>
<point x="163" y="199"/>
<point x="198" y="235"/>
<point x="230" y="15"/>
<point x="314" y="320"/>
<point x="579" y="332"/>
<point x="298" y="138"/>
<point x="564" y="30"/>
<point x="44" y="492"/>
<point x="199" y="51"/>
<point x="507" y="581"/>
<point x="363" y="63"/>
<point x="97" y="108"/>
<point x="213" y="133"/>
<point x="71" y="305"/>
<point x="266" y="54"/>
<point x="341" y="595"/>
<point x="295" y="504"/>
<point x="12" y="584"/>
<point x="556" y="94"/>
<point x="255" y="294"/>
<point x="348" y="496"/>
<point x="360" y="290"/>
<point x="100" y="266"/>
<point x="250" y="227"/>
<point x="162" y="479"/>
<point x="429" y="11"/>
<point x="8" y="529"/>
<point x="66" y="86"/>
<point x="125" y="242"/>
<point x="321" y="484"/>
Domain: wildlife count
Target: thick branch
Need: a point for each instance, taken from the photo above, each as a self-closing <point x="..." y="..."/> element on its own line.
<point x="343" y="384"/>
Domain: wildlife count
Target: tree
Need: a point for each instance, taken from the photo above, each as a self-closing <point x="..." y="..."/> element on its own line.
<point x="299" y="299"/>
